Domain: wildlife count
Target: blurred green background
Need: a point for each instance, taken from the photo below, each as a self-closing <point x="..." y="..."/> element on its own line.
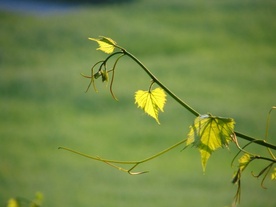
<point x="218" y="56"/>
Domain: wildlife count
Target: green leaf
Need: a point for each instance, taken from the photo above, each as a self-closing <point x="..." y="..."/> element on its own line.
<point x="209" y="133"/>
<point x="38" y="200"/>
<point x="151" y="101"/>
<point x="104" y="74"/>
<point x="106" y="44"/>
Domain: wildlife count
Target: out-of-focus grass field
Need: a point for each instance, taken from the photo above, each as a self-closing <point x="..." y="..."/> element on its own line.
<point x="218" y="56"/>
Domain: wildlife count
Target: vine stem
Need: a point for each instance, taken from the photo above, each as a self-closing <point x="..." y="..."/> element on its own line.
<point x="185" y="105"/>
<point x="175" y="97"/>
<point x="257" y="141"/>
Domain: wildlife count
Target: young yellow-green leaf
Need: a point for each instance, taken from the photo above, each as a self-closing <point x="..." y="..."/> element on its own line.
<point x="151" y="101"/>
<point x="12" y="203"/>
<point x="106" y="44"/>
<point x="244" y="161"/>
<point x="209" y="133"/>
<point x="273" y="174"/>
